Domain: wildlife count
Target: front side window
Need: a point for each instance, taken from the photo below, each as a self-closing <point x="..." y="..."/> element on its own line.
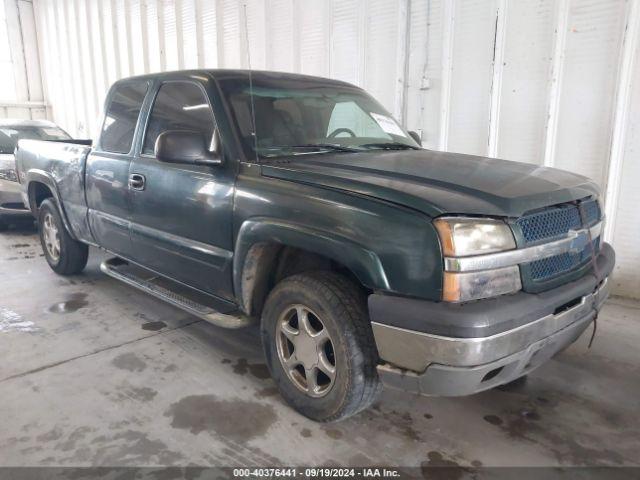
<point x="179" y="106"/>
<point x="122" y="116"/>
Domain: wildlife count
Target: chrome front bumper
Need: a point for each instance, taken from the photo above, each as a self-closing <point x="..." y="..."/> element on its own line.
<point x="438" y="365"/>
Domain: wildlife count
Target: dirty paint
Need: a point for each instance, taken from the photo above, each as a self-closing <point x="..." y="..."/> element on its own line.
<point x="237" y="419"/>
<point x="305" y="432"/>
<point x="73" y="303"/>
<point x="129" y="361"/>
<point x="11" y="321"/>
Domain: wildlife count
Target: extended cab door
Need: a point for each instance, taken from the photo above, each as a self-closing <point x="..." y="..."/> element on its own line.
<point x="107" y="174"/>
<point x="181" y="217"/>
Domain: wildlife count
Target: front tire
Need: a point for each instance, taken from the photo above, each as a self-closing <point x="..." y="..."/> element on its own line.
<point x="64" y="255"/>
<point x="319" y="345"/>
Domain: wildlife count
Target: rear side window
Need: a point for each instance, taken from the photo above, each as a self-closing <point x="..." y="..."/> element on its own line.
<point x="122" y="116"/>
<point x="179" y="106"/>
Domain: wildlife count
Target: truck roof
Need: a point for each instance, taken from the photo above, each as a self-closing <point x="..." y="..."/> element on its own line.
<point x="241" y="74"/>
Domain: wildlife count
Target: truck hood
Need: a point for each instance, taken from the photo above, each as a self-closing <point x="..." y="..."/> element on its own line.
<point x="436" y="183"/>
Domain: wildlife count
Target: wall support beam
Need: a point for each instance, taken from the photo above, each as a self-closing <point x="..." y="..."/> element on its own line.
<point x="448" y="30"/>
<point x="402" y="61"/>
<point x="497" y="72"/>
<point x="16" y="46"/>
<point x="555" y="82"/>
<point x="630" y="45"/>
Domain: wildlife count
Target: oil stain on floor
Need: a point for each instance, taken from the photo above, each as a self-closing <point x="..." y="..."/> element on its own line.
<point x="129" y="361"/>
<point x="237" y="419"/>
<point x="153" y="326"/>
<point x="258" y="370"/>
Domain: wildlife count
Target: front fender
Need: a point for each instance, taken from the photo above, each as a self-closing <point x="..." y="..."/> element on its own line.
<point x="364" y="264"/>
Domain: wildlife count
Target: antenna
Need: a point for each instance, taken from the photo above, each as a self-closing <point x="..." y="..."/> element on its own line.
<point x="253" y="108"/>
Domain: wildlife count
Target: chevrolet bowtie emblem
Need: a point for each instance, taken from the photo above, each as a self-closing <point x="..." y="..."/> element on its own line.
<point x="579" y="241"/>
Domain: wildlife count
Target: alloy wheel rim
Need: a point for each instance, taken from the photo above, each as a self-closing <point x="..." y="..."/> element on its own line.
<point x="51" y="237"/>
<point x="305" y="350"/>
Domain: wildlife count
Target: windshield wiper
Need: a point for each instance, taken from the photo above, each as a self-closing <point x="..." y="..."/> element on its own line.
<point x="327" y="146"/>
<point x="390" y="146"/>
<point x="311" y="147"/>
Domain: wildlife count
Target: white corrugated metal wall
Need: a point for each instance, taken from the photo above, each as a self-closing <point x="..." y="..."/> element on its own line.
<point x="550" y="82"/>
<point x="21" y="94"/>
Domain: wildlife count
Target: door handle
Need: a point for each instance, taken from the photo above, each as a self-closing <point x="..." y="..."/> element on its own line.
<point x="136" y="181"/>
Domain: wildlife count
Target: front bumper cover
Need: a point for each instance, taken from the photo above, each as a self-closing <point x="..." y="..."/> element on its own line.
<point x="439" y="364"/>
<point x="11" y="204"/>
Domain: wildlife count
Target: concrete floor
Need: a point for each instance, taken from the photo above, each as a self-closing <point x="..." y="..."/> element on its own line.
<point x="96" y="373"/>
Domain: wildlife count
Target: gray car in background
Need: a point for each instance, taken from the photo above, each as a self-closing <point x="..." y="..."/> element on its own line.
<point x="11" y="130"/>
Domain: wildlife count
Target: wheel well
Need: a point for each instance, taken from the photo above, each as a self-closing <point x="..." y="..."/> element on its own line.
<point x="38" y="192"/>
<point x="266" y="264"/>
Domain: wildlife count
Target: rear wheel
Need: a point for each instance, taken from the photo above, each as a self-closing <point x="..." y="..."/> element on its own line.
<point x="319" y="345"/>
<point x="3" y="225"/>
<point x="65" y="255"/>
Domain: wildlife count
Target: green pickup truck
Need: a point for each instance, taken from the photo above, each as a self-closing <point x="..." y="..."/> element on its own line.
<point x="300" y="204"/>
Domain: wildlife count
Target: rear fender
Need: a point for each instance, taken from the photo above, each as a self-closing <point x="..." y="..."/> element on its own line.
<point x="34" y="176"/>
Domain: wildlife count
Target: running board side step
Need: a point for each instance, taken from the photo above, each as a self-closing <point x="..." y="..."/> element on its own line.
<point x="161" y="288"/>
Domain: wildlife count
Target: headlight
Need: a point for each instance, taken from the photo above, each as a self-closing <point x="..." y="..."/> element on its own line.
<point x="462" y="237"/>
<point x="8" y="170"/>
<point x="8" y="174"/>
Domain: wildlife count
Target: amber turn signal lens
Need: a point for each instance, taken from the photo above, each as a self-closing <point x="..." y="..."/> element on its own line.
<point x="443" y="227"/>
<point x="451" y="287"/>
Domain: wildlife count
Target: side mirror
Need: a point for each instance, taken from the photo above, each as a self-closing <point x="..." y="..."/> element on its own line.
<point x="416" y="137"/>
<point x="187" y="146"/>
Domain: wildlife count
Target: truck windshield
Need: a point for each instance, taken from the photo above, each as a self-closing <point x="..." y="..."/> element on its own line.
<point x="9" y="135"/>
<point x="296" y="117"/>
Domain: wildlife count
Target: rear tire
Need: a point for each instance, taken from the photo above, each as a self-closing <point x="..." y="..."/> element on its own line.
<point x="64" y="255"/>
<point x="3" y="225"/>
<point x="343" y="380"/>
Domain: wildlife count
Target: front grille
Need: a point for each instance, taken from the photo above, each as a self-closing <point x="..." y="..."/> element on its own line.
<point x="592" y="212"/>
<point x="549" y="224"/>
<point x="555" y="223"/>
<point x="548" y="268"/>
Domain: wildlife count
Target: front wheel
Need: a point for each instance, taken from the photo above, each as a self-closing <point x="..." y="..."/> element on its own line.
<point x="319" y="345"/>
<point x="65" y="255"/>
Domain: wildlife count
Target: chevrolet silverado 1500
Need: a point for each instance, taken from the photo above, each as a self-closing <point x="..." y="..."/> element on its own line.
<point x="300" y="203"/>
